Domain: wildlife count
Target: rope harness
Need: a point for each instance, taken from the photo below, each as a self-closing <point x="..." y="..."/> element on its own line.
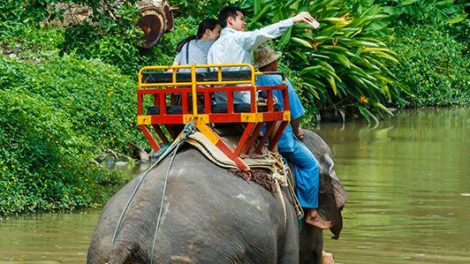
<point x="281" y="197"/>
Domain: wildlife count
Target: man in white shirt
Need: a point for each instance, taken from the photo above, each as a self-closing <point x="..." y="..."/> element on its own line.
<point x="235" y="45"/>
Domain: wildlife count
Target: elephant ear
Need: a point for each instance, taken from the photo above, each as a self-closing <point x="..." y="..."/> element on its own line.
<point x="341" y="196"/>
<point x="329" y="181"/>
<point x="332" y="195"/>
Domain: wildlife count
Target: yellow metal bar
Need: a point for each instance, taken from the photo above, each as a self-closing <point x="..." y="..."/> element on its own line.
<point x="193" y="90"/>
<point x="251" y="117"/>
<point x="286" y="116"/>
<point x="151" y="85"/>
<point x="253" y="83"/>
<point x="139" y="77"/>
<point x="187" y="118"/>
<point x="219" y="74"/>
<point x="144" y="120"/>
<point x="207" y="131"/>
<point x="192" y="68"/>
<point x="224" y="82"/>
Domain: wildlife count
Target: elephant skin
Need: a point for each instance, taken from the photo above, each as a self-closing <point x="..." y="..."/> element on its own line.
<point x="208" y="216"/>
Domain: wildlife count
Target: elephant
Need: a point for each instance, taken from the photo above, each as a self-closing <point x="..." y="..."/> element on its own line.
<point x="210" y="216"/>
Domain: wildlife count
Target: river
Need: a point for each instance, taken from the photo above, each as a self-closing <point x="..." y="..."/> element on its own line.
<point x="409" y="197"/>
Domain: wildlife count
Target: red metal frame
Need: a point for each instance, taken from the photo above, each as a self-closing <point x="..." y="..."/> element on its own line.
<point x="254" y="120"/>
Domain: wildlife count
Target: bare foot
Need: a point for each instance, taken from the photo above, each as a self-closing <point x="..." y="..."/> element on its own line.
<point x="313" y="218"/>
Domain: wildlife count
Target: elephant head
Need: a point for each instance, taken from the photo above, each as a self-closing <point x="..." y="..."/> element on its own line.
<point x="332" y="195"/>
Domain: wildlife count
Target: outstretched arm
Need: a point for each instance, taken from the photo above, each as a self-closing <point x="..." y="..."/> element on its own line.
<point x="253" y="39"/>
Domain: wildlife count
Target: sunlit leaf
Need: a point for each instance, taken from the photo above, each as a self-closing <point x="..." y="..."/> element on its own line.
<point x="367" y="114"/>
<point x="302" y="42"/>
<point x="332" y="82"/>
<point x="263" y="12"/>
<point x="408" y="2"/>
<point x="311" y="69"/>
<point x="457" y="19"/>
<point x="385" y="109"/>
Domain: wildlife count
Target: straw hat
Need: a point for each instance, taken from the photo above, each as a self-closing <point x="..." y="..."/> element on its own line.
<point x="264" y="55"/>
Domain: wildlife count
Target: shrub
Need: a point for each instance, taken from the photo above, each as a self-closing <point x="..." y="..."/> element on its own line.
<point x="56" y="115"/>
<point x="432" y="66"/>
<point x="44" y="163"/>
<point x="98" y="101"/>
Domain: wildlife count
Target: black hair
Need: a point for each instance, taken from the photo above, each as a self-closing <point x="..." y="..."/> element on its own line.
<point x="208" y="23"/>
<point x="226" y="12"/>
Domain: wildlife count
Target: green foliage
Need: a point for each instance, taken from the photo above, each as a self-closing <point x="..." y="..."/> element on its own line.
<point x="56" y="115"/>
<point x="201" y="9"/>
<point x="114" y="41"/>
<point x="44" y="163"/>
<point x="29" y="12"/>
<point x="432" y="65"/>
<point x="344" y="63"/>
<point x="98" y="101"/>
<point x="420" y="11"/>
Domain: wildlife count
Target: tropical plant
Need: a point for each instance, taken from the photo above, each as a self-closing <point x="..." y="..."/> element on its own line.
<point x="432" y="65"/>
<point x="56" y="115"/>
<point x="345" y="62"/>
<point x="426" y="11"/>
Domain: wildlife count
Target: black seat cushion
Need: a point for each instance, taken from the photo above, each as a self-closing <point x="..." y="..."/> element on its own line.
<point x="171" y="109"/>
<point x="167" y="77"/>
<point x="216" y="108"/>
<point x="264" y="108"/>
<point x="238" y="108"/>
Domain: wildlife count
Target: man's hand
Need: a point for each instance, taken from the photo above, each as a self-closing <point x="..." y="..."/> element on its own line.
<point x="299" y="133"/>
<point x="307" y="18"/>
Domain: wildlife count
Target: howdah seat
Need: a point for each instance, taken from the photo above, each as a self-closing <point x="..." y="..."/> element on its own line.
<point x="158" y="86"/>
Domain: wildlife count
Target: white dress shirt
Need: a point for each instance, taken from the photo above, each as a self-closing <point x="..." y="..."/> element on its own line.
<point x="235" y="46"/>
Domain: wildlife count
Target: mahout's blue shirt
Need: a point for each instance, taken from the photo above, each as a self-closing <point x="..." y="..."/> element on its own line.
<point x="286" y="142"/>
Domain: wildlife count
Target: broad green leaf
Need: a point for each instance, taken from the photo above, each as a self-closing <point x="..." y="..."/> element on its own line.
<point x="386" y="90"/>
<point x="332" y="82"/>
<point x="337" y="21"/>
<point x="376" y="17"/>
<point x="302" y="42"/>
<point x="314" y="82"/>
<point x="335" y="48"/>
<point x="311" y="69"/>
<point x="343" y="60"/>
<point x="386" y="56"/>
<point x="367" y="114"/>
<point x="257" y="6"/>
<point x="457" y="19"/>
<point x="311" y="90"/>
<point x="444" y="3"/>
<point x="408" y="2"/>
<point x="265" y="9"/>
<point x="285" y="37"/>
<point x="320" y="56"/>
<point x="382" y="107"/>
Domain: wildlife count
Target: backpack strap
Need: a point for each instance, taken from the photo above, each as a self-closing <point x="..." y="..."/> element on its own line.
<point x="187" y="52"/>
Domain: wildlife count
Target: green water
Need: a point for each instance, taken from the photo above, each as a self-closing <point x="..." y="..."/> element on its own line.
<point x="409" y="188"/>
<point x="409" y="197"/>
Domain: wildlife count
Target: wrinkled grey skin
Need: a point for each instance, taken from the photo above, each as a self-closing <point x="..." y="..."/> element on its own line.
<point x="209" y="216"/>
<point x="332" y="197"/>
